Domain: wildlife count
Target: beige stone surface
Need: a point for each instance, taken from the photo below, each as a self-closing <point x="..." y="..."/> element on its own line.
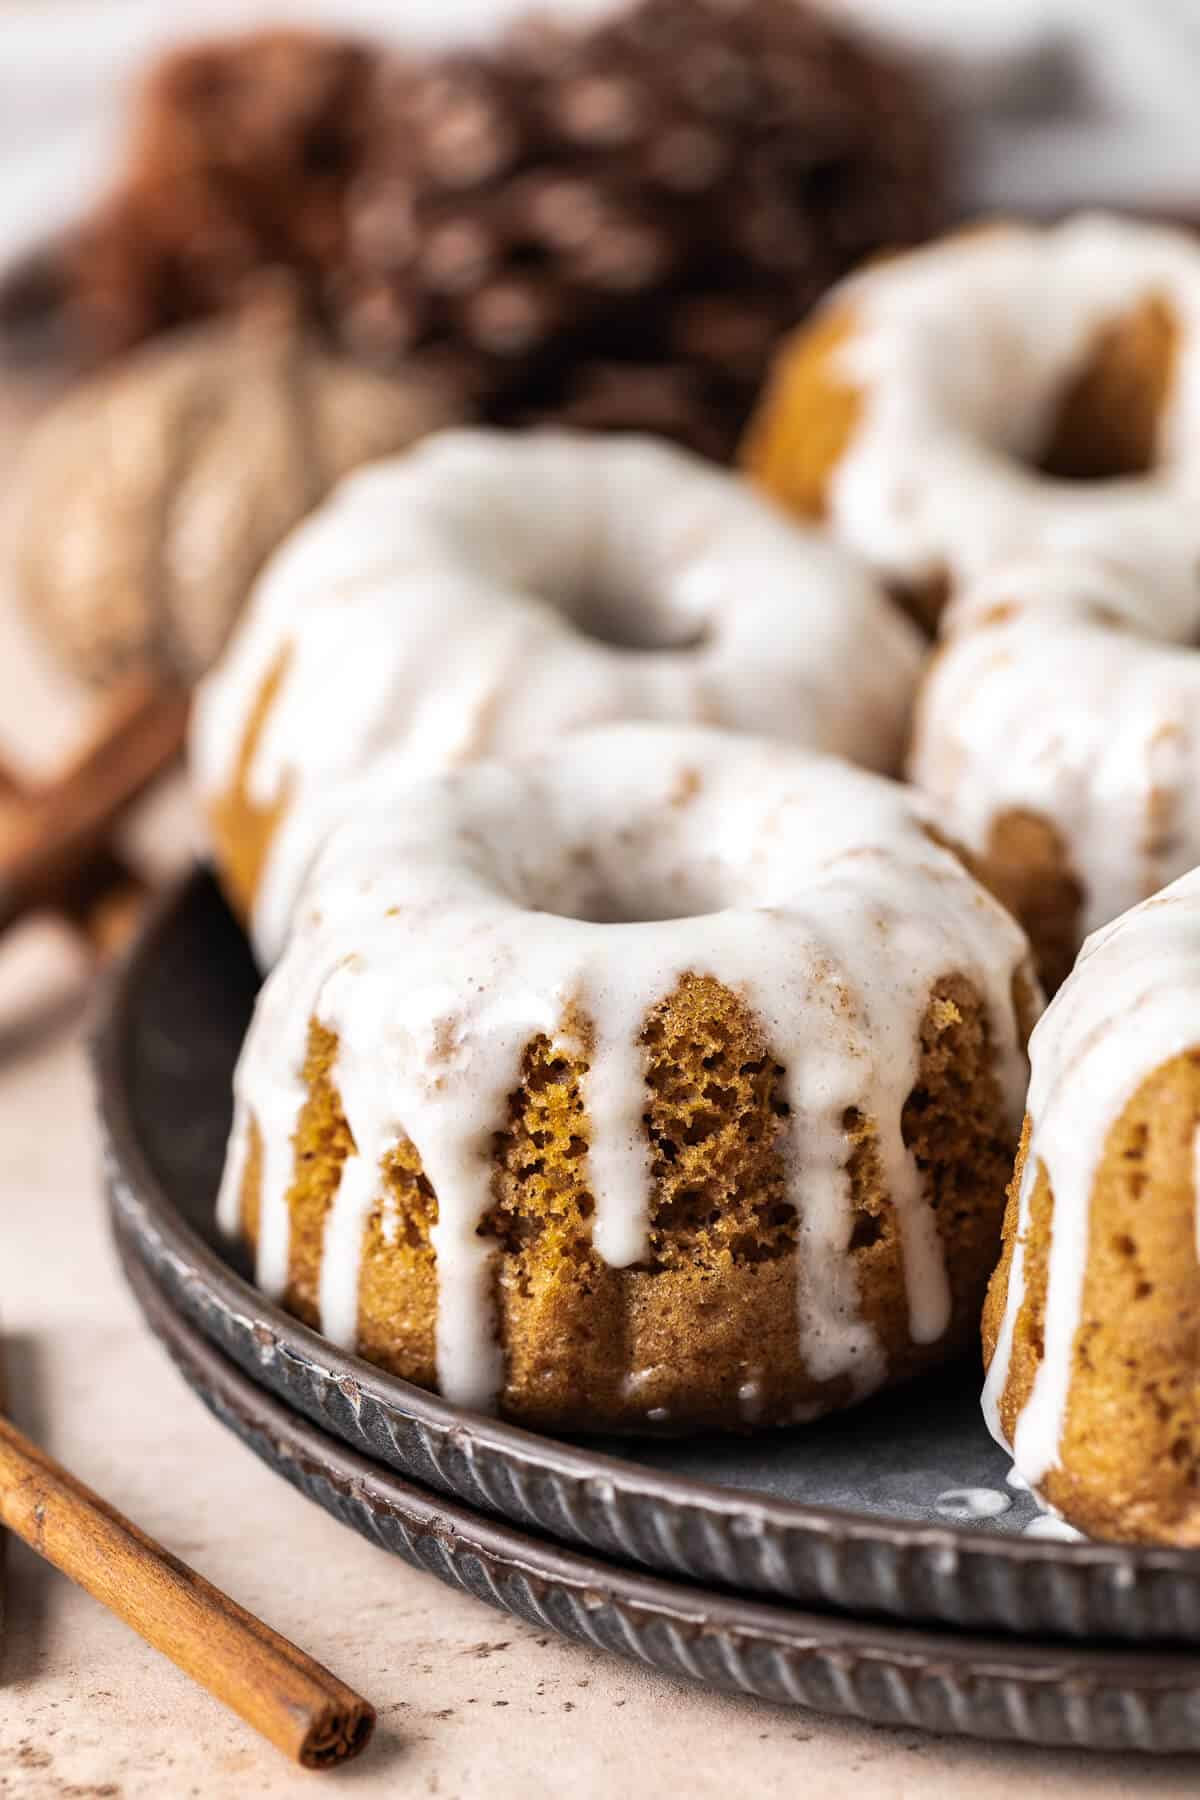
<point x="471" y="1703"/>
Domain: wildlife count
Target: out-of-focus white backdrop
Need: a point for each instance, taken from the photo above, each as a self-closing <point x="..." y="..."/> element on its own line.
<point x="1058" y="102"/>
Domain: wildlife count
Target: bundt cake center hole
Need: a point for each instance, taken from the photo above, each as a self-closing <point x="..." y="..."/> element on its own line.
<point x="620" y="874"/>
<point x="631" y="621"/>
<point x="596" y="892"/>
<point x="1083" y="450"/>
<point x="1106" y="424"/>
<point x="602" y="908"/>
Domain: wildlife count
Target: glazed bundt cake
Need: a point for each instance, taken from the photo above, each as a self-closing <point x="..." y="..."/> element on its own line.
<point x="491" y="591"/>
<point x="663" y="1077"/>
<point x="1009" y="389"/>
<point x="1054" y="729"/>
<point x="1092" y="1324"/>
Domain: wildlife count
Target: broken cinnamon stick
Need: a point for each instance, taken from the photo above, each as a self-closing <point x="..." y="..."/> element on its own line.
<point x="292" y="1700"/>
<point x="55" y="839"/>
<point x="105" y="904"/>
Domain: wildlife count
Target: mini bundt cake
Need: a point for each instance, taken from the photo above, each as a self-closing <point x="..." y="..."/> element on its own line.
<point x="1009" y="389"/>
<point x="1055" y="731"/>
<point x="488" y="592"/>
<point x="1092" y="1324"/>
<point x="664" y="1077"/>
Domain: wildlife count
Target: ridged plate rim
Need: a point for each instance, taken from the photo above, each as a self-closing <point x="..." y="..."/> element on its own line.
<point x="819" y="1555"/>
<point x="991" y="1688"/>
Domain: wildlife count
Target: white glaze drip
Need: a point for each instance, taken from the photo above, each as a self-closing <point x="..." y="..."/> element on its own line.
<point x="1130" y="1005"/>
<point x="439" y="607"/>
<point x="357" y="1191"/>
<point x="446" y="925"/>
<point x="972" y="1503"/>
<point x="1068" y="688"/>
<point x="1049" y="1525"/>
<point x="961" y="352"/>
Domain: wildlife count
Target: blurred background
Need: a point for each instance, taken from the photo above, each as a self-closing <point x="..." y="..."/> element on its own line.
<point x="1061" y="99"/>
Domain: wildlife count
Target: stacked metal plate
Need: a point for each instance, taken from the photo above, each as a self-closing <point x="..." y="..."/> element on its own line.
<point x="877" y="1565"/>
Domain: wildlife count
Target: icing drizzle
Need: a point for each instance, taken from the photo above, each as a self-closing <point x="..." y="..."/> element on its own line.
<point x="448" y="923"/>
<point x="1068" y="687"/>
<point x="960" y="353"/>
<point x="488" y="591"/>
<point x="1131" y="1004"/>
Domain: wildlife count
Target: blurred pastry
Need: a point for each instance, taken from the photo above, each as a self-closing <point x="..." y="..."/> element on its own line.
<point x="1008" y="390"/>
<point x="606" y="225"/>
<point x="610" y="226"/>
<point x="150" y="495"/>
<point x="238" y="154"/>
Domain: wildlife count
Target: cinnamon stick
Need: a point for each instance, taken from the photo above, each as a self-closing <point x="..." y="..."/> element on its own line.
<point x="103" y="899"/>
<point x="105" y="903"/>
<point x="54" y="838"/>
<point x="304" y="1710"/>
<point x="3" y="1533"/>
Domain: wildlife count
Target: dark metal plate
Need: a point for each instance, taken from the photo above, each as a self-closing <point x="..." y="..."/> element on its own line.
<point x="936" y="1681"/>
<point x="842" y="1514"/>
